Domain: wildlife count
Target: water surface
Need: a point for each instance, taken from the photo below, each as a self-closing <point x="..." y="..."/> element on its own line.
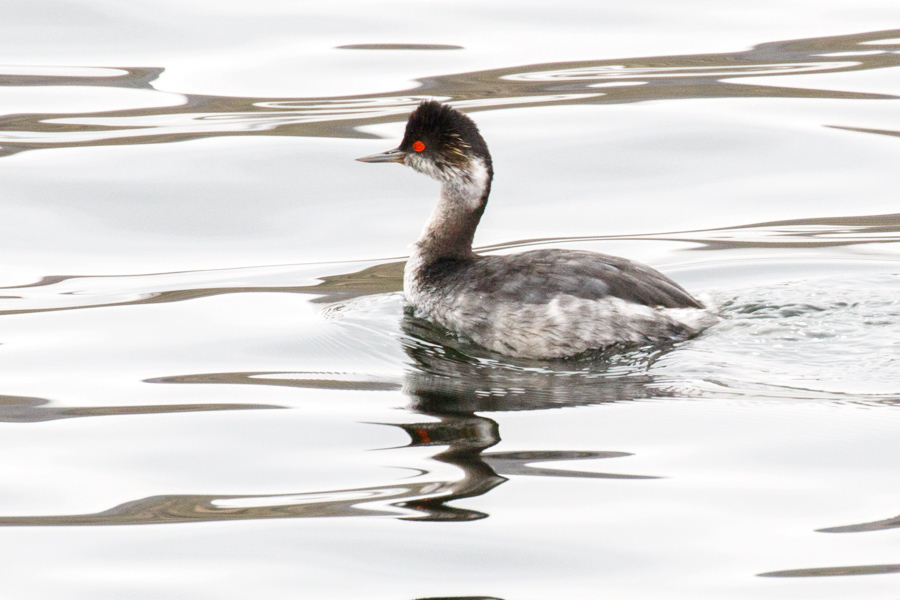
<point x="210" y="387"/>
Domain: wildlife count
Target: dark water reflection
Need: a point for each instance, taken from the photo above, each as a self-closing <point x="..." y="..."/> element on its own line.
<point x="727" y="75"/>
<point x="836" y="571"/>
<point x="841" y="571"/>
<point x="24" y="409"/>
<point x="462" y="598"/>
<point x="893" y="523"/>
<point x="846" y="570"/>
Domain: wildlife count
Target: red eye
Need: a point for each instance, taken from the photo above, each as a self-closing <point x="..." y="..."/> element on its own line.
<point x="418" y="146"/>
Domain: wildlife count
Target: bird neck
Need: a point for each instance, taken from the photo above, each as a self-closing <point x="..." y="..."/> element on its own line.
<point x="451" y="228"/>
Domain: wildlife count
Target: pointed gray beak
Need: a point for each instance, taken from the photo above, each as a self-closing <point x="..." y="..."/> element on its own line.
<point x="395" y="155"/>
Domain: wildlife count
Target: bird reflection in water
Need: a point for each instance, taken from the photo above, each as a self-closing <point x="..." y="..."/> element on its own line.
<point x="453" y="381"/>
<point x="447" y="383"/>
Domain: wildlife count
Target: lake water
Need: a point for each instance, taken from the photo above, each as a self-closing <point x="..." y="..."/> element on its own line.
<point x="209" y="388"/>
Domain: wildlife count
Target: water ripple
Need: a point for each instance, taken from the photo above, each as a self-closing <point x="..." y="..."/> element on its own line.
<point x="723" y="75"/>
<point x="69" y="292"/>
<point x="835" y="571"/>
<point x="462" y="437"/>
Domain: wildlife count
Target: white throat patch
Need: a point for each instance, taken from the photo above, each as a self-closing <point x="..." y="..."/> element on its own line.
<point x="467" y="186"/>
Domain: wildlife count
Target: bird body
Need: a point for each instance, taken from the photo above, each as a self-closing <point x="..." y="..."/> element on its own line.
<point x="537" y="304"/>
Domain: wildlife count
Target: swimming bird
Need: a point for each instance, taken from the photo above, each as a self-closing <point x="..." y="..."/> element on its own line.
<point x="540" y="304"/>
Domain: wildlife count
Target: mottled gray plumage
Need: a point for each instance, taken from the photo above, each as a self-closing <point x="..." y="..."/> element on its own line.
<point x="538" y="276"/>
<point x="538" y="304"/>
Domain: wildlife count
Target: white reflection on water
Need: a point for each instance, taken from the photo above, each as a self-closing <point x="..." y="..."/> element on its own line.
<point x="623" y="72"/>
<point x="190" y="405"/>
<point x="60" y="71"/>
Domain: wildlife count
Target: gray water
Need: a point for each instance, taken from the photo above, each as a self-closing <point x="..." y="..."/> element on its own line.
<point x="209" y="387"/>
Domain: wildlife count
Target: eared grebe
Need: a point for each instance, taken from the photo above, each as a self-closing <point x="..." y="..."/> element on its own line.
<point x="537" y="304"/>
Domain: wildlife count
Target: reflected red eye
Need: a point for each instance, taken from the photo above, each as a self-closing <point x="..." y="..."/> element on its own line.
<point x="418" y="146"/>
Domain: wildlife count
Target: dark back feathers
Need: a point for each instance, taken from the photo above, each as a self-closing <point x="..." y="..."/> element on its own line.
<point x="537" y="277"/>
